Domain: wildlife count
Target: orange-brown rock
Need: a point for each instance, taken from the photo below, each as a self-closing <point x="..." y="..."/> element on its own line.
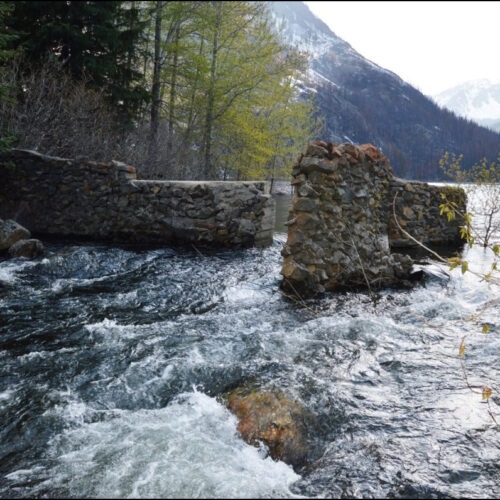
<point x="323" y="144"/>
<point x="273" y="419"/>
<point x="371" y="151"/>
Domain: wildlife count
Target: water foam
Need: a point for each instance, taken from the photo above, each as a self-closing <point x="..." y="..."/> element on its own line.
<point x="189" y="449"/>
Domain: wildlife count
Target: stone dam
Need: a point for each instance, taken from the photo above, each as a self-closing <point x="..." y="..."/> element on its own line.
<point x="348" y="224"/>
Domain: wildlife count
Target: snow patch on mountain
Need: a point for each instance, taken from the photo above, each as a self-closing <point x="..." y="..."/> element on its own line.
<point x="301" y="29"/>
<point x="478" y="100"/>
<point x="362" y="102"/>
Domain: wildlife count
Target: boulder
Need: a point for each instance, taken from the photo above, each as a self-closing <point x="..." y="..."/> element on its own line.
<point x="30" y="249"/>
<point x="274" y="419"/>
<point x="11" y="232"/>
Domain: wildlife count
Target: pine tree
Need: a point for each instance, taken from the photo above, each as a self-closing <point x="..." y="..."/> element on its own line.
<point x="7" y="35"/>
<point x="97" y="41"/>
<point x="7" y="38"/>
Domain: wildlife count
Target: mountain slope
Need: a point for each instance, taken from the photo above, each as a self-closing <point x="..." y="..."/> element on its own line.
<point x="478" y="100"/>
<point x="362" y="102"/>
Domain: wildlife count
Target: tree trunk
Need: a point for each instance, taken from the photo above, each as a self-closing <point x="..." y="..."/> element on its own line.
<point x="191" y="111"/>
<point x="156" y="99"/>
<point x="173" y="90"/>
<point x="209" y="117"/>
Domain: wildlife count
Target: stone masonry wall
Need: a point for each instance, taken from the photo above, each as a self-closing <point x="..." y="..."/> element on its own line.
<point x="417" y="211"/>
<point x="106" y="201"/>
<point x="341" y="228"/>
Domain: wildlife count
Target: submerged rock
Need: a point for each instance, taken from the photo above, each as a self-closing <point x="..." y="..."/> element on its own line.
<point x="273" y="419"/>
<point x="30" y="249"/>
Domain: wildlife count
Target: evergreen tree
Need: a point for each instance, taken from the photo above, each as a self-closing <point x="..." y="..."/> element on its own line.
<point x="7" y="38"/>
<point x="97" y="41"/>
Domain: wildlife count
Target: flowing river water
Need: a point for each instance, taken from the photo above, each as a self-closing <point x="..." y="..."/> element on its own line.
<point x="113" y="360"/>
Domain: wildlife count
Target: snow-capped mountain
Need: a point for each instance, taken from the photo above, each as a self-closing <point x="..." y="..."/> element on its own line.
<point x="478" y="100"/>
<point x="303" y="30"/>
<point x="362" y="102"/>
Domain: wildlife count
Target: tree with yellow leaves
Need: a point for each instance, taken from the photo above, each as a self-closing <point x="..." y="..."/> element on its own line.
<point x="227" y="91"/>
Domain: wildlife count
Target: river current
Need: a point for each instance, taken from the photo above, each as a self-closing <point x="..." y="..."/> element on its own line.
<point x="113" y="360"/>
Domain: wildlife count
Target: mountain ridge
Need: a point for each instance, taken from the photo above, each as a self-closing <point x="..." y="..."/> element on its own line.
<point x="478" y="100"/>
<point x="361" y="102"/>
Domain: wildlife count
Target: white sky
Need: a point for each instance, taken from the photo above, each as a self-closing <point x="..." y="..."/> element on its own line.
<point x="432" y="45"/>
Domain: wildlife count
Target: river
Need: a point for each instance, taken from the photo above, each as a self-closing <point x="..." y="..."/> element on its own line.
<point x="113" y="360"/>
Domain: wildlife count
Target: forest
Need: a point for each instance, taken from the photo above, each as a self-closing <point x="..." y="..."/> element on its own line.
<point x="180" y="90"/>
<point x="411" y="129"/>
